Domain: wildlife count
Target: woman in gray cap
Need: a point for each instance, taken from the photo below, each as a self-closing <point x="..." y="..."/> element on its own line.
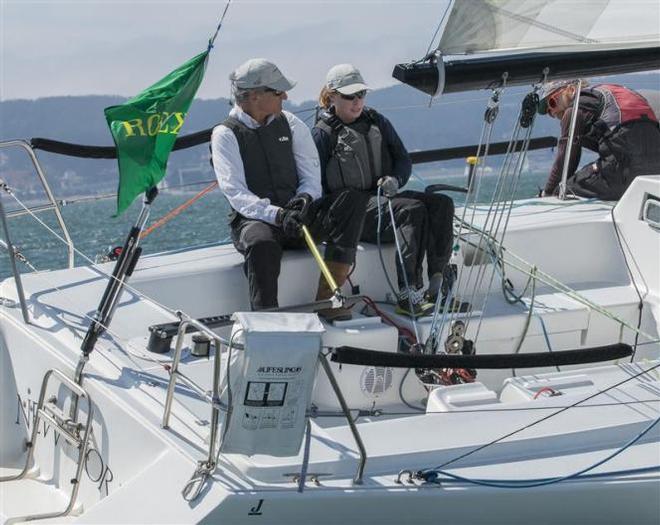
<point x="268" y="169"/>
<point x="359" y="148"/>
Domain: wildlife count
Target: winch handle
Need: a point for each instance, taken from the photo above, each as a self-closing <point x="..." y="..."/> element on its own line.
<point x="319" y="260"/>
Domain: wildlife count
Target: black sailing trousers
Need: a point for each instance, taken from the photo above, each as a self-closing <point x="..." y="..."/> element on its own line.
<point x="424" y="227"/>
<point x="336" y="218"/>
<point x="632" y="149"/>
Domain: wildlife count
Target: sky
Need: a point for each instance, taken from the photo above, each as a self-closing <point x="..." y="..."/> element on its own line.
<point x="119" y="47"/>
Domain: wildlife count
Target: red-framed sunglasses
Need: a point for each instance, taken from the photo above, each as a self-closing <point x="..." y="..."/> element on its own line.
<point x="553" y="99"/>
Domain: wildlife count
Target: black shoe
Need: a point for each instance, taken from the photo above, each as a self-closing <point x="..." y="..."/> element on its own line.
<point x="456" y="306"/>
<point x="420" y="307"/>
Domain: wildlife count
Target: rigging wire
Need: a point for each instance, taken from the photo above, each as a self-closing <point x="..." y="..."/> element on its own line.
<point x="490" y="116"/>
<point x="519" y="484"/>
<point x="545" y="418"/>
<point x="126" y="346"/>
<point x="438" y="322"/>
<point x="217" y="30"/>
<point x="506" y="211"/>
<point x="87" y="259"/>
<point x="437" y="29"/>
<point x="556" y="284"/>
<point x="480" y="411"/>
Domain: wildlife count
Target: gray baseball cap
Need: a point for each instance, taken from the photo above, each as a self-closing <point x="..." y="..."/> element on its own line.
<point x="548" y="89"/>
<point x="259" y="72"/>
<point x="346" y="79"/>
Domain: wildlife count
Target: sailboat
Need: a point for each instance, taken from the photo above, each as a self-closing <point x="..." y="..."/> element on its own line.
<point x="539" y="404"/>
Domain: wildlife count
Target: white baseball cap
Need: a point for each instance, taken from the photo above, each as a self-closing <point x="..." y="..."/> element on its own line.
<point x="346" y="79"/>
<point x="259" y="72"/>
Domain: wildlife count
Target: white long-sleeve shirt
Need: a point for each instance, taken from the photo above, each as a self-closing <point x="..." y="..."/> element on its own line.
<point x="230" y="172"/>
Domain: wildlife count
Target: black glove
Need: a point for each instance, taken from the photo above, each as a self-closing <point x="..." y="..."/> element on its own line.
<point x="389" y="186"/>
<point x="290" y="221"/>
<point x="300" y="202"/>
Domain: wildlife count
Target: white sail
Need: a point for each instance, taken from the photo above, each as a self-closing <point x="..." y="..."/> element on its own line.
<point x="483" y="26"/>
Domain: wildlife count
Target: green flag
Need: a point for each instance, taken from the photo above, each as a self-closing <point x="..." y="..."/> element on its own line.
<point x="144" y="128"/>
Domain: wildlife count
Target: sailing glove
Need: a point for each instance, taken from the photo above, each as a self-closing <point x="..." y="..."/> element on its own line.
<point x="300" y="202"/>
<point x="389" y="186"/>
<point x="291" y="221"/>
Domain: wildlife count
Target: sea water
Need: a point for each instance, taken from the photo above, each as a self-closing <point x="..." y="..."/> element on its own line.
<point x="94" y="229"/>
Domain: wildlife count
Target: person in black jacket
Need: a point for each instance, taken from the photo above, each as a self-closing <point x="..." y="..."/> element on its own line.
<point x="268" y="169"/>
<point x="615" y="122"/>
<point x="359" y="149"/>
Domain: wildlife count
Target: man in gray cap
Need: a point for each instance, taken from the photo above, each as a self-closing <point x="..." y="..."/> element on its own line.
<point x="267" y="167"/>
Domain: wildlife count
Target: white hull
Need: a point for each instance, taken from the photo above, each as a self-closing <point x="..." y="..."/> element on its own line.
<point x="135" y="470"/>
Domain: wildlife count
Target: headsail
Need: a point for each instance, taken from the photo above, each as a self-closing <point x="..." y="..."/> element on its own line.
<point x="482" y="39"/>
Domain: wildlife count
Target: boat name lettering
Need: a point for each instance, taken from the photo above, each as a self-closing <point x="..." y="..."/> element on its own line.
<point x="156" y="123"/>
<point x="279" y="370"/>
<point x="97" y="470"/>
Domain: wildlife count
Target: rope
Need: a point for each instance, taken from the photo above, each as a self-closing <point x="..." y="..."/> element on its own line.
<point x="530" y="311"/>
<point x="503" y="207"/>
<point x="557" y="285"/>
<point x="519" y="484"/>
<point x="511" y="298"/>
<point x="438" y="322"/>
<point x="128" y="287"/>
<point x="620" y="241"/>
<point x="380" y="246"/>
<point x="409" y="290"/>
<point x="176" y="211"/>
<point x="217" y="30"/>
<point x="545" y="418"/>
<point x="127" y="347"/>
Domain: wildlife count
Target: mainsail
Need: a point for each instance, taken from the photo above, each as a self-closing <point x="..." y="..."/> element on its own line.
<point x="483" y="39"/>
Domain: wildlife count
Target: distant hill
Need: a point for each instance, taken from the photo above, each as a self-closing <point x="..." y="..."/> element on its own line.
<point x="453" y="120"/>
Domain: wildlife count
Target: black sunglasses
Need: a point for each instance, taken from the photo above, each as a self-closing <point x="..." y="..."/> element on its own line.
<point x="275" y="92"/>
<point x="359" y="94"/>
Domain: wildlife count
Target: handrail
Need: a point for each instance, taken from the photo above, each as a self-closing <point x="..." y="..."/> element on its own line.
<point x="206" y="467"/>
<point x="70" y="429"/>
<point x="53" y="203"/>
<point x="14" y="268"/>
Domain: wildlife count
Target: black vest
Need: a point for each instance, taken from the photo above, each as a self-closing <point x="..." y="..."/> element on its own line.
<point x="358" y="158"/>
<point x="267" y="154"/>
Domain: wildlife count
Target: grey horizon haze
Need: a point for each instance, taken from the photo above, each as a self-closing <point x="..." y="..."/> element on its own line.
<point x="74" y="47"/>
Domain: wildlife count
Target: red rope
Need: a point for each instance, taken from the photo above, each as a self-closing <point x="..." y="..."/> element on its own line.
<point x="176" y="211"/>
<point x="545" y="389"/>
<point x="404" y="331"/>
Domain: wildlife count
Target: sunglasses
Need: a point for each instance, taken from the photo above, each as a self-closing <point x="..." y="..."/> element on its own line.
<point x="275" y="92"/>
<point x="553" y="99"/>
<point x="359" y="94"/>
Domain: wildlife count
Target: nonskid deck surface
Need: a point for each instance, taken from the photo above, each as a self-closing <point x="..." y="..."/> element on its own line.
<point x="129" y="383"/>
<point x="62" y="303"/>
